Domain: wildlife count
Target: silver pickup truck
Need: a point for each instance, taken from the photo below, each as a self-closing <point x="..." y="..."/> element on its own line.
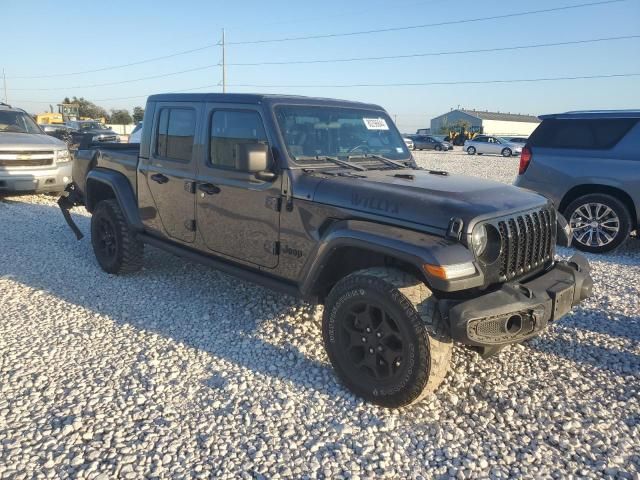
<point x="30" y="160"/>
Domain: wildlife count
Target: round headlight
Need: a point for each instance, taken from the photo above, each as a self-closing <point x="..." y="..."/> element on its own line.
<point x="479" y="239"/>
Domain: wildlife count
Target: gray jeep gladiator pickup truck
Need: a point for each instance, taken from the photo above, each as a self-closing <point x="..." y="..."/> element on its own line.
<point x="321" y="199"/>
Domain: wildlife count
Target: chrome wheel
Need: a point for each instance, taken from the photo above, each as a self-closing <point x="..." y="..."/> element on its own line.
<point x="594" y="224"/>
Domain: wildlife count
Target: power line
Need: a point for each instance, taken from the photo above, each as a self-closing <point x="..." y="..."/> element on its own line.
<point x="125" y="98"/>
<point x="353" y="59"/>
<point x="115" y="67"/>
<point x="426" y="25"/>
<point x="421" y="84"/>
<point x="462" y="82"/>
<point x="121" y="81"/>
<point x="286" y="39"/>
<point x="430" y="54"/>
<point x="425" y="84"/>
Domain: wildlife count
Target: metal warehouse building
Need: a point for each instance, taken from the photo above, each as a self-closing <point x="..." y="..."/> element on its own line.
<point x="491" y="123"/>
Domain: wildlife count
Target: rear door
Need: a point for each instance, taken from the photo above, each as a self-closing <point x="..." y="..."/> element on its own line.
<point x="481" y="145"/>
<point x="238" y="214"/>
<point x="169" y="172"/>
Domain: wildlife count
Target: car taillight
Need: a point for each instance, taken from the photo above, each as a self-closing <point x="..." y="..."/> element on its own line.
<point x="525" y="159"/>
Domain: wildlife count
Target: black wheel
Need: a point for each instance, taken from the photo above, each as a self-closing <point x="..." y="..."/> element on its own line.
<point x="471" y="150"/>
<point x="115" y="246"/>
<point x="506" y="152"/>
<point x="439" y="148"/>
<point x="600" y="222"/>
<point x="385" y="337"/>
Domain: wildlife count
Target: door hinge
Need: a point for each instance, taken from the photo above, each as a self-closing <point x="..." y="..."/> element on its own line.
<point x="274" y="203"/>
<point x="190" y="225"/>
<point x="276" y="248"/>
<point x="190" y="187"/>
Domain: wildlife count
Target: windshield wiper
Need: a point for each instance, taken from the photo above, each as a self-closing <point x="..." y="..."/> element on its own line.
<point x="336" y="160"/>
<point x="386" y="160"/>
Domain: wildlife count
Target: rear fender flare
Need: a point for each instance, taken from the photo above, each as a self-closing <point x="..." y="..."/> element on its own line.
<point x="122" y="190"/>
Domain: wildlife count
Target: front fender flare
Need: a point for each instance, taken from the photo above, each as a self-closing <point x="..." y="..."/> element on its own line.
<point x="412" y="247"/>
<point x="122" y="190"/>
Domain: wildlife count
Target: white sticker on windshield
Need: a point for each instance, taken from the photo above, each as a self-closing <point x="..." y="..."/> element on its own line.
<point x="399" y="149"/>
<point x="375" y="123"/>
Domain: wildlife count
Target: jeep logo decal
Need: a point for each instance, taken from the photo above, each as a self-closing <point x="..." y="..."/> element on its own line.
<point x="294" y="252"/>
<point x="375" y="203"/>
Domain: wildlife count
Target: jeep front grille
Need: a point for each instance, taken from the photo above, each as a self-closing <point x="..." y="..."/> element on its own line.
<point x="527" y="242"/>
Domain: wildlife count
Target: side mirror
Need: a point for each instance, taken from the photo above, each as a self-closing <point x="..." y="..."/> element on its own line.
<point x="254" y="158"/>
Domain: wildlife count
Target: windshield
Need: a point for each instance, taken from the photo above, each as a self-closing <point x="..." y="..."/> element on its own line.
<point x="17" y="122"/>
<point x="90" y="126"/>
<point x="319" y="131"/>
<point x="504" y="140"/>
<point x="439" y="138"/>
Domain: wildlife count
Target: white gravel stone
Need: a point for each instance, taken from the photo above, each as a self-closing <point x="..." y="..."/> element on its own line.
<point x="180" y="371"/>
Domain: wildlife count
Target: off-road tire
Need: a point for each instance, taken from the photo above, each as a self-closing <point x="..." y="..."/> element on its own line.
<point x="471" y="150"/>
<point x="125" y="253"/>
<point x="620" y="210"/>
<point x="425" y="340"/>
<point x="506" y="152"/>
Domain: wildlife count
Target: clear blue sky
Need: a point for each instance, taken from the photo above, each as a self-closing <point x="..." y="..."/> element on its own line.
<point x="44" y="37"/>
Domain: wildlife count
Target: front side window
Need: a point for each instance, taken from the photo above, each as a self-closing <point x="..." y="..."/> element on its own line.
<point x="17" y="122"/>
<point x="229" y="130"/>
<point x="175" y="133"/>
<point x="317" y="131"/>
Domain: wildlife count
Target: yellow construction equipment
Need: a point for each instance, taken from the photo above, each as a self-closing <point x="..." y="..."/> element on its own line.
<point x="66" y="112"/>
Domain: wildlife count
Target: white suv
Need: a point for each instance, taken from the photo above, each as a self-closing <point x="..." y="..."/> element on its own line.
<point x="30" y="160"/>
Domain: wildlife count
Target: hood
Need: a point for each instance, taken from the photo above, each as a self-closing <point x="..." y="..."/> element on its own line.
<point x="29" y="141"/>
<point x="427" y="199"/>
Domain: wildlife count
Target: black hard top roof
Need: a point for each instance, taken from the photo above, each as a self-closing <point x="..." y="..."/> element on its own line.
<point x="257" y="98"/>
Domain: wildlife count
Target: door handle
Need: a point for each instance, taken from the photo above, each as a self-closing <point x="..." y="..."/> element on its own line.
<point x="208" y="188"/>
<point x="159" y="178"/>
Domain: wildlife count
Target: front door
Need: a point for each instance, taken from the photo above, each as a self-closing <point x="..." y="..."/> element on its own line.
<point x="170" y="170"/>
<point x="494" y="145"/>
<point x="237" y="213"/>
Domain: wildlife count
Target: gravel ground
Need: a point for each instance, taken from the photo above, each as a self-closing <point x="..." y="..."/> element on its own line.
<point x="181" y="372"/>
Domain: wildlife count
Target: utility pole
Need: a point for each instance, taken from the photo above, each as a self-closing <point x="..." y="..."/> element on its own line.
<point x="224" y="65"/>
<point x="4" y="81"/>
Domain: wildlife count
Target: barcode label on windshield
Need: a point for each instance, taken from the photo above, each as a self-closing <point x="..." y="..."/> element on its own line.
<point x="375" y="123"/>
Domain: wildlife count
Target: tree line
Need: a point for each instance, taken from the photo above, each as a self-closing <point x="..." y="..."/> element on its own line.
<point x="115" y="116"/>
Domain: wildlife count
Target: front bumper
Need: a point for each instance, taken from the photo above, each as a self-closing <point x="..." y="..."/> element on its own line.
<point x="50" y="179"/>
<point x="518" y="311"/>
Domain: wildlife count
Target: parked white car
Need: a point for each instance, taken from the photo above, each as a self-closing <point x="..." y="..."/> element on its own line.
<point x="491" y="144"/>
<point x="136" y="134"/>
<point x="408" y="142"/>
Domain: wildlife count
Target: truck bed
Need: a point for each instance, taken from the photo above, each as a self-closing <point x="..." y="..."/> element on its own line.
<point x="122" y="157"/>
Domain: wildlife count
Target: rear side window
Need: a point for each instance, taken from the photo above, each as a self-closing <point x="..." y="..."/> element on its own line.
<point x="599" y="134"/>
<point x="229" y="129"/>
<point x="175" y="133"/>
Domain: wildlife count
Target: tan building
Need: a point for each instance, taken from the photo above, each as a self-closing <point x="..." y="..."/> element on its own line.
<point x="490" y="123"/>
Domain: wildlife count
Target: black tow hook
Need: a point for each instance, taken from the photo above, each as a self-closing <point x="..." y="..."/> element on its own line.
<point x="69" y="199"/>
